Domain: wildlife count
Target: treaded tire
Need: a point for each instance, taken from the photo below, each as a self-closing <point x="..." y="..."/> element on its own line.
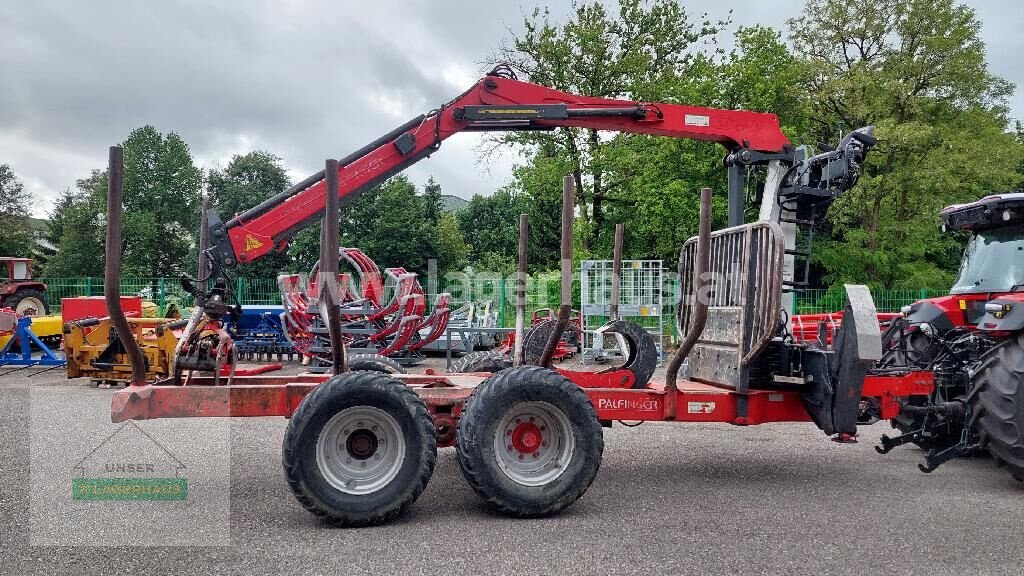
<point x="26" y="293"/>
<point x="374" y="363"/>
<point x="997" y="404"/>
<point x="478" y="429"/>
<point x="489" y="361"/>
<point x="359" y="389"/>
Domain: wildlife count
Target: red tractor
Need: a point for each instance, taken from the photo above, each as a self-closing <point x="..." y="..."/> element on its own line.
<point x="18" y="290"/>
<point x="973" y="341"/>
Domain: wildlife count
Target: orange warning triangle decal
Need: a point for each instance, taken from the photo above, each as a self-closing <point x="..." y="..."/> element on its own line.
<point x="252" y="243"/>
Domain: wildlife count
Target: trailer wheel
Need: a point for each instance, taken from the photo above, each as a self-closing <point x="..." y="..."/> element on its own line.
<point x="529" y="442"/>
<point x="359" y="449"/>
<point x="489" y="361"/>
<point x="374" y="363"/>
<point x="997" y="404"/>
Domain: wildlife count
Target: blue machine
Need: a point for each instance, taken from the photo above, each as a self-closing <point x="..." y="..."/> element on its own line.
<point x="259" y="335"/>
<point x="25" y="338"/>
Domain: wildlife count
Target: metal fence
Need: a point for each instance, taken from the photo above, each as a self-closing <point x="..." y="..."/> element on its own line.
<point x="542" y="290"/>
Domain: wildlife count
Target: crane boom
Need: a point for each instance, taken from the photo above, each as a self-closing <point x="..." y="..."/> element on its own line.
<point x="494" y="103"/>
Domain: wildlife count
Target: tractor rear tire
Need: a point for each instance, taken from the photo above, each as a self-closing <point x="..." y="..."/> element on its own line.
<point x="28" y="302"/>
<point x="529" y="441"/>
<point x="481" y="362"/>
<point x="374" y="363"/>
<point x="359" y="449"/>
<point x="997" y="404"/>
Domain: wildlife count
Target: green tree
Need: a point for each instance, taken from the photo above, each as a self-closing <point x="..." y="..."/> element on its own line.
<point x="637" y="54"/>
<point x="915" y="69"/>
<point x="451" y="246"/>
<point x="76" y="228"/>
<point x="247" y="180"/>
<point x="490" y="225"/>
<point x="433" y="205"/>
<point x="161" y="203"/>
<point x="17" y="236"/>
<point x="388" y="222"/>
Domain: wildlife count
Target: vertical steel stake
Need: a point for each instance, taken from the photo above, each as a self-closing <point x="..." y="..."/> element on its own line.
<point x="112" y="267"/>
<point x="328" y="283"/>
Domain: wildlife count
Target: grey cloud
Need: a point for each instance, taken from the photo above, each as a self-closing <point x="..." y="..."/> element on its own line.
<point x="303" y="79"/>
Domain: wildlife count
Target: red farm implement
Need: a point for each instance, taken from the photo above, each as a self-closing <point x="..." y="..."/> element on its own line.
<point x="395" y="328"/>
<point x="360" y="446"/>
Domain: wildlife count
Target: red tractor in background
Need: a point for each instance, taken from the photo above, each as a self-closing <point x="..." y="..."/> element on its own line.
<point x="973" y="341"/>
<point x="18" y="290"/>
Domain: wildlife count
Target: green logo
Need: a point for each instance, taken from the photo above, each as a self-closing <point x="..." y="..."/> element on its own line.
<point x="129" y="488"/>
<point x="130" y="464"/>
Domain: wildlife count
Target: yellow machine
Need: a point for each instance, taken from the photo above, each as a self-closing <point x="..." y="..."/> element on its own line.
<point x="46" y="328"/>
<point x="93" y="349"/>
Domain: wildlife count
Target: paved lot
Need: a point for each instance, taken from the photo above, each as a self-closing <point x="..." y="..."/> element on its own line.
<point x="669" y="499"/>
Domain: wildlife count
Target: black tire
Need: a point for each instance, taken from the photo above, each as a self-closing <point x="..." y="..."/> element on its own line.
<point x="374" y="363"/>
<point x="360" y="391"/>
<point x="501" y="396"/>
<point x="25" y="294"/>
<point x="481" y="362"/>
<point x="997" y="404"/>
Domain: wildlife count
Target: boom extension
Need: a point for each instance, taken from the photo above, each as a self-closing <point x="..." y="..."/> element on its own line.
<point x="501" y="102"/>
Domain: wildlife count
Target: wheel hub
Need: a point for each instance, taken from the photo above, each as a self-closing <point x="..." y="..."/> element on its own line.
<point x="361" y="444"/>
<point x="527" y="437"/>
<point x="534" y="443"/>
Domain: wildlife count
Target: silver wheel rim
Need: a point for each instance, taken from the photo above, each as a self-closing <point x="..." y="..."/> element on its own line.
<point x="360" y="450"/>
<point x="30" y="304"/>
<point x="534" y="443"/>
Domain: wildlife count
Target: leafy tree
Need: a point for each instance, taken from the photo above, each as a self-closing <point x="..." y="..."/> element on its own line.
<point x="388" y="223"/>
<point x="915" y="69"/>
<point x="433" y="204"/>
<point x="451" y="246"/>
<point x="161" y="203"/>
<point x="247" y="180"/>
<point x="76" y="228"/>
<point x="17" y="236"/>
<point x="635" y="54"/>
<point x="490" y="225"/>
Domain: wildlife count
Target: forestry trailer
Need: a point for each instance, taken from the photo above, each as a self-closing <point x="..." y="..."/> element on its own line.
<point x="360" y="446"/>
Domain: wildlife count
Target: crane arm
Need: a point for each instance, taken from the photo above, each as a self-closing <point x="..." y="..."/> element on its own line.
<point x="495" y="102"/>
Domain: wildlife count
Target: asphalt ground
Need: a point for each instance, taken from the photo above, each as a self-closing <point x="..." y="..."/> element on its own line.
<point x="669" y="499"/>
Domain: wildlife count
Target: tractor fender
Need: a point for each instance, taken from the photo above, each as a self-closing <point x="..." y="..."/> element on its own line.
<point x="11" y="288"/>
<point x="1009" y="319"/>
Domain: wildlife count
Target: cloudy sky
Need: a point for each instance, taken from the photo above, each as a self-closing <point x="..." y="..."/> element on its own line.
<point x="303" y="79"/>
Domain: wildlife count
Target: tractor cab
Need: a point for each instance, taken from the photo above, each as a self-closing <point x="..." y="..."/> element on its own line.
<point x="994" y="259"/>
<point x="990" y="285"/>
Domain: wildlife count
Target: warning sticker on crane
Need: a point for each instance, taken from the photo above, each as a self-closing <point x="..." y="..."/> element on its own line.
<point x="697" y="120"/>
<point x="252" y="243"/>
